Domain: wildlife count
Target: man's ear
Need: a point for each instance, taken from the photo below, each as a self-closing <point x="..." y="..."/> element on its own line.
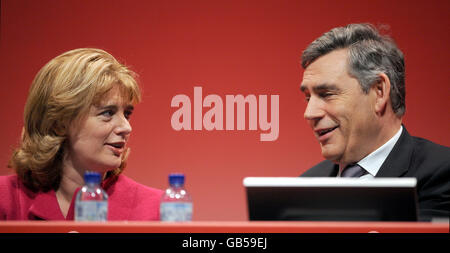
<point x="382" y="90"/>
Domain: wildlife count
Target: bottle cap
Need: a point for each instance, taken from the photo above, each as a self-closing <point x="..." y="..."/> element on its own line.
<point x="92" y="177"/>
<point x="176" y="179"/>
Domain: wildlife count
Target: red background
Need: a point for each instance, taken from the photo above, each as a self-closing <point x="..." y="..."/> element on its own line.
<point x="228" y="48"/>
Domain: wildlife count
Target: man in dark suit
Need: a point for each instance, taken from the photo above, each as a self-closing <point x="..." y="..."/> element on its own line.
<point x="354" y="83"/>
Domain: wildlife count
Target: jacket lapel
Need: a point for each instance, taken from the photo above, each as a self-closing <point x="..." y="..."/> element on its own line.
<point x="398" y="161"/>
<point x="45" y="207"/>
<point x="331" y="171"/>
<point x="325" y="168"/>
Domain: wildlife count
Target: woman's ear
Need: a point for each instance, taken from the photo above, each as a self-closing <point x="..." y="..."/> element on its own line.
<point x="382" y="89"/>
<point x="59" y="128"/>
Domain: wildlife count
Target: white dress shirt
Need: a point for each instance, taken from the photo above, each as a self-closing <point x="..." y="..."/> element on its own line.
<point x="372" y="162"/>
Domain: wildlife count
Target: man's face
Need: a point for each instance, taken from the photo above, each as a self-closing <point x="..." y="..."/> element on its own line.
<point x="341" y="115"/>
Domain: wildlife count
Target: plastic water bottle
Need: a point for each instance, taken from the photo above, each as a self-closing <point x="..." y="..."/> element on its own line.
<point x="91" y="203"/>
<point x="176" y="203"/>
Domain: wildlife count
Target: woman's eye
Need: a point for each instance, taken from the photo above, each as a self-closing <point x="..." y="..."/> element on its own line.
<point x="127" y="114"/>
<point x="107" y="113"/>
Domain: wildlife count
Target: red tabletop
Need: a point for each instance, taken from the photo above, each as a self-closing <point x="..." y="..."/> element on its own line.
<point x="222" y="227"/>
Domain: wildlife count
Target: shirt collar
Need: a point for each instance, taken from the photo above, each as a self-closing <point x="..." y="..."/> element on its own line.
<point x="372" y="162"/>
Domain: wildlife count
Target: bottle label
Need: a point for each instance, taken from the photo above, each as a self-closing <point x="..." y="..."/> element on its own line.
<point x="176" y="211"/>
<point x="91" y="211"/>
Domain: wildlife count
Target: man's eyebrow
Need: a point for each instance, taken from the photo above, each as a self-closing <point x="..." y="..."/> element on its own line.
<point x="302" y="88"/>
<point x="325" y="86"/>
<point x="320" y="87"/>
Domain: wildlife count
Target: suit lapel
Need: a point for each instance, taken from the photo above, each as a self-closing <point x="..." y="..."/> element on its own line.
<point x="398" y="161"/>
<point x="333" y="170"/>
<point x="327" y="169"/>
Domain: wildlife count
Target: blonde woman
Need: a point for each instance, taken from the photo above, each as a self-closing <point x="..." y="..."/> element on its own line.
<point x="77" y="118"/>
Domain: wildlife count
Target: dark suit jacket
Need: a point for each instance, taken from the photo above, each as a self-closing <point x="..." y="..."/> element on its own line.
<point x="412" y="157"/>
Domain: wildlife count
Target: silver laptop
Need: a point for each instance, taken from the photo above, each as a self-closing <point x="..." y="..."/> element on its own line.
<point x="332" y="199"/>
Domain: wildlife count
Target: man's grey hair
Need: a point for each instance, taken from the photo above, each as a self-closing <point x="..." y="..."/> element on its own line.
<point x="370" y="54"/>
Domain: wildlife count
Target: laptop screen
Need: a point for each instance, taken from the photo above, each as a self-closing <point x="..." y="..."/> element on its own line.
<point x="332" y="199"/>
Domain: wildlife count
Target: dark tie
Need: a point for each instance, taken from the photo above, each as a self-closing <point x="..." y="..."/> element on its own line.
<point x="353" y="170"/>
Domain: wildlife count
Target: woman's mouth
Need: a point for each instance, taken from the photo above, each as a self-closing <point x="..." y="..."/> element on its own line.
<point x="116" y="147"/>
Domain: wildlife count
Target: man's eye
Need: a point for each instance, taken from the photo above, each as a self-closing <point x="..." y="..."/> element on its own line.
<point x="324" y="94"/>
<point x="307" y="98"/>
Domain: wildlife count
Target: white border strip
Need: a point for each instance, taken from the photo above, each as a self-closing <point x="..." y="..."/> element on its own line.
<point x="327" y="182"/>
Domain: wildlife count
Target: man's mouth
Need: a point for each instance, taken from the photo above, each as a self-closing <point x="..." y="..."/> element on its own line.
<point x="324" y="131"/>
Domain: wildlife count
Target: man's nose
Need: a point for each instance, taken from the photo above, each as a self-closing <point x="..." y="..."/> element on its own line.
<point x="314" y="110"/>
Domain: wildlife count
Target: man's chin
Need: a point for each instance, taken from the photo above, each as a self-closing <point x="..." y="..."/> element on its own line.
<point x="330" y="155"/>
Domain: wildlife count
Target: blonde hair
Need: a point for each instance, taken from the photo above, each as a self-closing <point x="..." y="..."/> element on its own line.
<point x="62" y="92"/>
